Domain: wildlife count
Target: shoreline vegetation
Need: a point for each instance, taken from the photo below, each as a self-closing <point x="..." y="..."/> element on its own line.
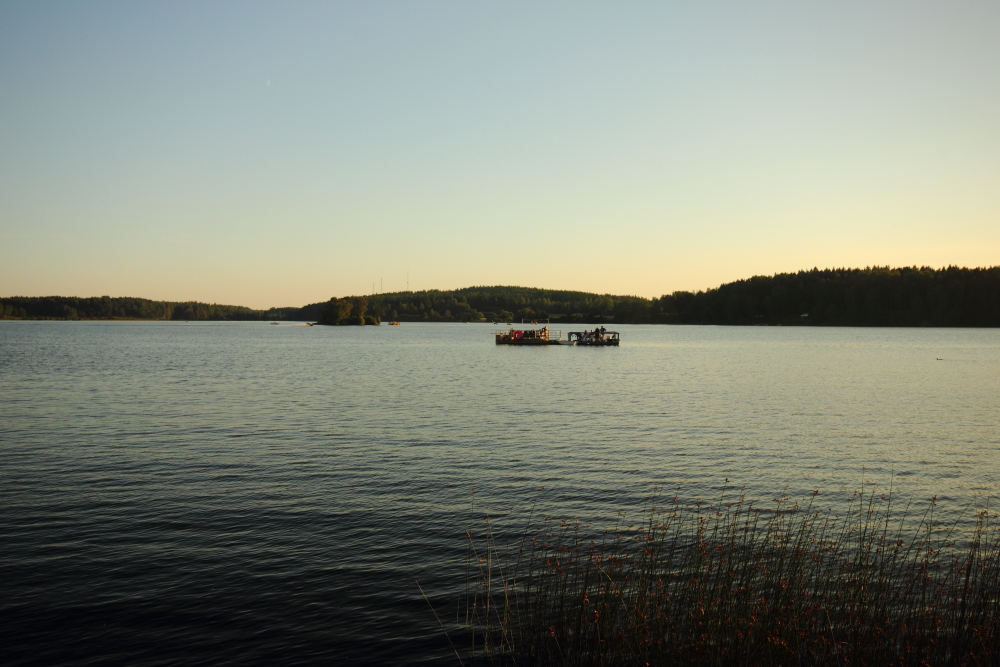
<point x="866" y="581"/>
<point x="874" y="296"/>
<point x="125" y="308"/>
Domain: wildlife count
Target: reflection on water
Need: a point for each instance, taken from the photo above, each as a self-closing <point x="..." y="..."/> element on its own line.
<point x="247" y="493"/>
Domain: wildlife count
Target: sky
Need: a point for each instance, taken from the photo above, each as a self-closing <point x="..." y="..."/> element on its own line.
<point x="279" y="154"/>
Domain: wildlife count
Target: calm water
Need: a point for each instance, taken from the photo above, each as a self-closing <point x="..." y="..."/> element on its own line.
<point x="252" y="494"/>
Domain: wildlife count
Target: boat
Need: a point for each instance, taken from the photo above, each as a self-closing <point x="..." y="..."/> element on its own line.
<point x="393" y="324"/>
<point x="543" y="336"/>
<point x="597" y="337"/>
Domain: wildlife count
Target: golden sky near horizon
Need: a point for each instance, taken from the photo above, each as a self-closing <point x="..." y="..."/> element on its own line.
<point x="279" y="154"/>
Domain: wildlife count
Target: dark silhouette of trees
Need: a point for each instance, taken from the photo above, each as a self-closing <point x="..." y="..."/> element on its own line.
<point x="106" y="307"/>
<point x="874" y="296"/>
<point x="350" y="310"/>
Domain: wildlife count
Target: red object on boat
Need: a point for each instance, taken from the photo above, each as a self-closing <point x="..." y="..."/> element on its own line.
<point x="518" y="335"/>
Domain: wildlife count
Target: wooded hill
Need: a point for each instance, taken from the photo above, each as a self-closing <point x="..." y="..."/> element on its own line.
<point x="875" y="296"/>
<point x="477" y="304"/>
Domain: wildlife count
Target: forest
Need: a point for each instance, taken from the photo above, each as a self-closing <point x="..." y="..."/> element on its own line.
<point x="478" y="304"/>
<point x="126" y="308"/>
<point x="874" y="296"/>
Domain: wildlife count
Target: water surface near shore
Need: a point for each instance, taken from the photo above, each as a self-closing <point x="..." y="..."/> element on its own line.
<point x="243" y="493"/>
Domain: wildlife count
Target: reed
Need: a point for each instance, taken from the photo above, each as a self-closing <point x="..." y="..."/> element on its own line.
<point x="734" y="583"/>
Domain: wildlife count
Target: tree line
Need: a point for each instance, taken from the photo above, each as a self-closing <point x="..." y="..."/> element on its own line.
<point x="473" y="304"/>
<point x="106" y="307"/>
<point x="874" y="296"/>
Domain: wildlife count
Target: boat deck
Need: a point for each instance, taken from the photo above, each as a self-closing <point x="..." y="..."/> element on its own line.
<point x="546" y="336"/>
<point x="543" y="336"/>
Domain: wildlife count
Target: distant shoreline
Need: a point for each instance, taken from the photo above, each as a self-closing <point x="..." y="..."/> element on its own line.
<point x="869" y="297"/>
<point x="498" y="324"/>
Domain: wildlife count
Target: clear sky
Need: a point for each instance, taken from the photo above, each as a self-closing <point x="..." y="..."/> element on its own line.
<point x="273" y="154"/>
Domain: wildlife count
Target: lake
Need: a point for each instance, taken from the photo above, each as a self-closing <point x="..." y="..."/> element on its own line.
<point x="243" y="493"/>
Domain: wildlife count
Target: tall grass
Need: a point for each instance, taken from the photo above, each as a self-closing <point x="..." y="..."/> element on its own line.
<point x="734" y="583"/>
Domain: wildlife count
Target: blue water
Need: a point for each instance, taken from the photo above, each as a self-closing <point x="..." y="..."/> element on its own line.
<point x="242" y="493"/>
